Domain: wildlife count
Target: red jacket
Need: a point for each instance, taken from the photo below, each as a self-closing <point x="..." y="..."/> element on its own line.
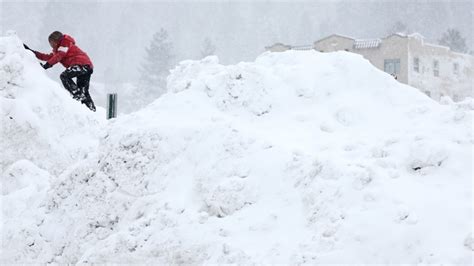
<point x="67" y="53"/>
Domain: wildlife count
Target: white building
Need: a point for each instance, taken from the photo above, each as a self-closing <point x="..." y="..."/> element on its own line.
<point x="434" y="69"/>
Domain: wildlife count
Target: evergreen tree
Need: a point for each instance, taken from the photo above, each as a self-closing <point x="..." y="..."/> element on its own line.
<point x="155" y="68"/>
<point x="208" y="48"/>
<point x="453" y="39"/>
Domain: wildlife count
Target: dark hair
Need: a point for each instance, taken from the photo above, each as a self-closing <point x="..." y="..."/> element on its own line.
<point x="55" y="36"/>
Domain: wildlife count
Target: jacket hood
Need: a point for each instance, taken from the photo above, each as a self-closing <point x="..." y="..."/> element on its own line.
<point x="67" y="40"/>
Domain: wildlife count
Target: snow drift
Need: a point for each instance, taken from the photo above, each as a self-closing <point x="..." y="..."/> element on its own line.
<point x="38" y="117"/>
<point x="298" y="157"/>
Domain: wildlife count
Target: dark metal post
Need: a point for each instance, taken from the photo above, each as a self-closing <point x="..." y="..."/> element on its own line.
<point x="111" y="105"/>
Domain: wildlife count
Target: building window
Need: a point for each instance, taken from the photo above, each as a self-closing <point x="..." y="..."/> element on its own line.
<point x="436" y="68"/>
<point x="456" y="68"/>
<point x="416" y="64"/>
<point x="392" y="66"/>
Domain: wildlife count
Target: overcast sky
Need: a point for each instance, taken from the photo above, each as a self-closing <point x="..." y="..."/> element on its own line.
<point x="115" y="33"/>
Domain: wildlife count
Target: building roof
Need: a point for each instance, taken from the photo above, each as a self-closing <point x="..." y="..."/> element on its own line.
<point x="406" y="35"/>
<point x="417" y="35"/>
<point x="334" y="35"/>
<point x="302" y="47"/>
<point x="278" y="44"/>
<point x="367" y="43"/>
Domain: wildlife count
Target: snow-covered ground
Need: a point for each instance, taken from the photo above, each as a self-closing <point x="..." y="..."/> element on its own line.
<point x="298" y="157"/>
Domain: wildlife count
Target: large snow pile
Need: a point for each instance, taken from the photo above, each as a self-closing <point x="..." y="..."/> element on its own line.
<point x="298" y="157"/>
<point x="42" y="132"/>
<point x="38" y="117"/>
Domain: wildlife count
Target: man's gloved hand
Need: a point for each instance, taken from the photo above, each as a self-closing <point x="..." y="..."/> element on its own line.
<point x="46" y="65"/>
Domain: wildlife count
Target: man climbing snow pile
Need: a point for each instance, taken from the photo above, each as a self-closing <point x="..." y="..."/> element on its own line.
<point x="77" y="63"/>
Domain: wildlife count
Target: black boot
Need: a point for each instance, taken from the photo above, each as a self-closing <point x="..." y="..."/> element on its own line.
<point x="90" y="104"/>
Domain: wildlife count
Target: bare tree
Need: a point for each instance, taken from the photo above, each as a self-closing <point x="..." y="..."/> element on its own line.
<point x="454" y="40"/>
<point x="398" y="27"/>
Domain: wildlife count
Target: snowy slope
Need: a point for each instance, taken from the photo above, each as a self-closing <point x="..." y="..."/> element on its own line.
<point x="38" y="117"/>
<point x="298" y="157"/>
<point x="42" y="133"/>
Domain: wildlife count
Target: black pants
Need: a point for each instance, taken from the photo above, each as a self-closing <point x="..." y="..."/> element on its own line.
<point x="79" y="90"/>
